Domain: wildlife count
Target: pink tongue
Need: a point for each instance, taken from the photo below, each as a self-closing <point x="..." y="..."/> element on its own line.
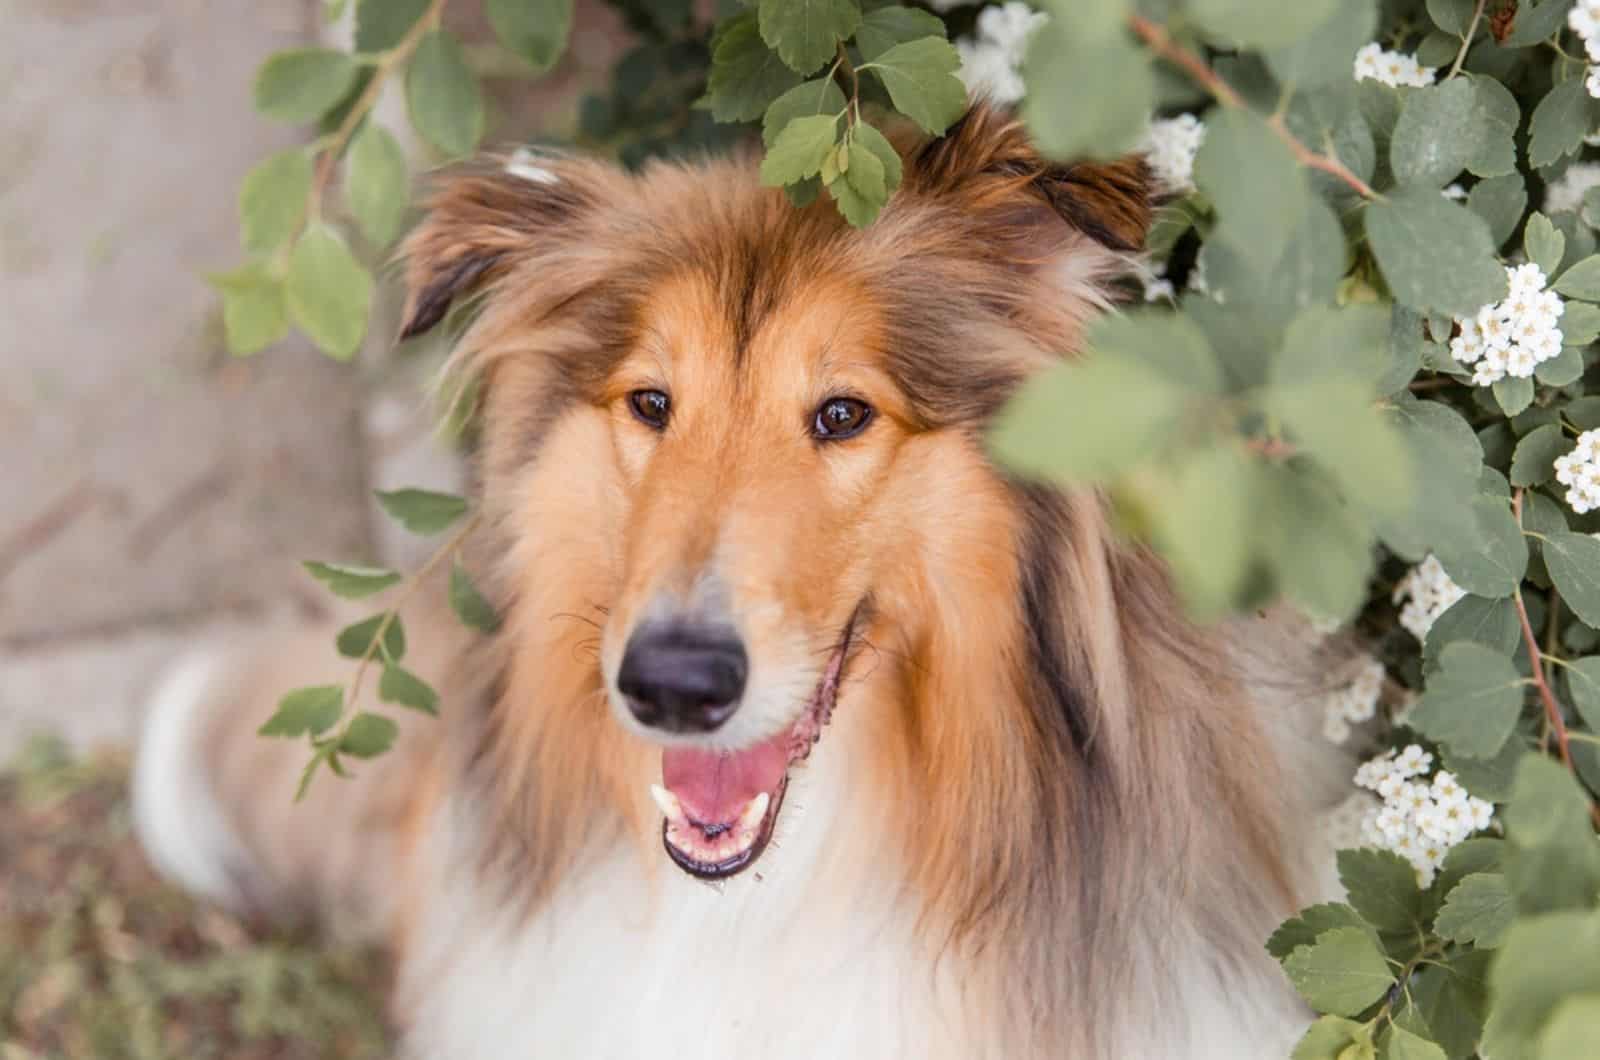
<point x="715" y="786"/>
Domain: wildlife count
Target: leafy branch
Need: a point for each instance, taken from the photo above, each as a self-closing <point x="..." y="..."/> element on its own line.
<point x="1162" y="43"/>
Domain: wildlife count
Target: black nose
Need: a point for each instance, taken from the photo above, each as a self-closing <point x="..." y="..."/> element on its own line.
<point x="681" y="678"/>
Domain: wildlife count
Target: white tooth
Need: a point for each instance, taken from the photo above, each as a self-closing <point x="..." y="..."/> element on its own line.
<point x="754" y="811"/>
<point x="671" y="808"/>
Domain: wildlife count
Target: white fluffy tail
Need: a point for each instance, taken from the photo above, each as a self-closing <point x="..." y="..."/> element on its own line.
<point x="176" y="811"/>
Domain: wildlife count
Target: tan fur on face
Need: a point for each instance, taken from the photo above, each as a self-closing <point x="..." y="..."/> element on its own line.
<point x="1063" y="764"/>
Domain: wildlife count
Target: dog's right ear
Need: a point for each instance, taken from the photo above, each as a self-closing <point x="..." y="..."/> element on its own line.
<point x="484" y="219"/>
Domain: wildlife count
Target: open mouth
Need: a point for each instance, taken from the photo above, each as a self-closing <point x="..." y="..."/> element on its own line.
<point x="720" y="807"/>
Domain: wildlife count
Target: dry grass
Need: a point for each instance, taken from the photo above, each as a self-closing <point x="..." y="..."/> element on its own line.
<point x="100" y="959"/>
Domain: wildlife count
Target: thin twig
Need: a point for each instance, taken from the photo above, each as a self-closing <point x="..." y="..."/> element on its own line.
<point x="1466" y="42"/>
<point x="1552" y="709"/>
<point x="1160" y="41"/>
<point x="335" y="146"/>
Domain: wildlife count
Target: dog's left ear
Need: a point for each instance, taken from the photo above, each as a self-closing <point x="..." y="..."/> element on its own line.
<point x="486" y="218"/>
<point x="987" y="166"/>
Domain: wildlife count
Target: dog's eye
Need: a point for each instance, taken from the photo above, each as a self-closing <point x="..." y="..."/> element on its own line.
<point x="651" y="406"/>
<point x="841" y="417"/>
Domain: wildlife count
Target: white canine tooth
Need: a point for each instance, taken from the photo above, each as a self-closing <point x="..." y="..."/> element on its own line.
<point x="754" y="811"/>
<point x="671" y="808"/>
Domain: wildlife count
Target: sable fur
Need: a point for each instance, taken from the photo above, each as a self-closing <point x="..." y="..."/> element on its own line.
<point x="1079" y="797"/>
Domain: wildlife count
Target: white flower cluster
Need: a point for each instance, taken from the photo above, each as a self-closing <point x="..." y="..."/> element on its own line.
<point x="1566" y="191"/>
<point x="1420" y="819"/>
<point x="1584" y="18"/>
<point x="1373" y="63"/>
<point x="1579" y="471"/>
<point x="1354" y="703"/>
<point x="1169" y="147"/>
<point x="991" y="59"/>
<point x="1514" y="336"/>
<point x="1428" y="592"/>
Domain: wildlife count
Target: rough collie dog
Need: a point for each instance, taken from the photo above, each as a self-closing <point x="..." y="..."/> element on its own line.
<point x="808" y="731"/>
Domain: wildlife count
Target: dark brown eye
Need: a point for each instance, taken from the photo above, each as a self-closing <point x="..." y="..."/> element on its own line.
<point x="651" y="406"/>
<point x="841" y="418"/>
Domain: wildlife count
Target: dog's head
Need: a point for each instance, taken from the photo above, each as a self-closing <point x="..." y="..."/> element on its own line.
<point x="734" y="453"/>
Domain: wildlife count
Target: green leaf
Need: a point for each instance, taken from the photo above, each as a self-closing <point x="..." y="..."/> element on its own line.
<point x="1301" y="514"/>
<point x="1534" y="460"/>
<point x="1070" y="422"/>
<point x="874" y="141"/>
<point x="1472" y="701"/>
<point x="1342" y="973"/>
<point x="921" y="78"/>
<point x="1333" y="421"/>
<point x="381" y="24"/>
<point x="356" y="641"/>
<point x="1492" y="623"/>
<point x="305" y="710"/>
<point x="806" y="33"/>
<point x="1168" y="342"/>
<point x="1487" y="778"/>
<point x="1581" y="280"/>
<point x="1203" y="533"/>
<point x="1513" y="394"/>
<point x="376" y="184"/>
<point x="1259" y="23"/>
<point x="1552" y="860"/>
<point x="352" y="582"/>
<point x="469" y="604"/>
<point x="1437" y="132"/>
<point x="810" y="99"/>
<point x="1493" y="564"/>
<point x="1574" y="564"/>
<point x="254" y="314"/>
<point x="1573" y="1030"/>
<point x="1332" y="1038"/>
<point x="536" y="30"/>
<point x="1435" y="253"/>
<point x="746" y="76"/>
<point x="1478" y="910"/>
<point x="1544" y="961"/>
<point x="1326" y="342"/>
<point x="864" y="178"/>
<point x="884" y="27"/>
<point x="1401" y="1044"/>
<point x="422" y="511"/>
<point x="1382" y="887"/>
<point x="329" y="292"/>
<point x="1559" y="123"/>
<point x="1498" y="116"/>
<point x="404" y="688"/>
<point x="368" y="736"/>
<point x="1327" y="53"/>
<point x="443" y="96"/>
<point x="273" y="199"/>
<point x="1580" y="323"/>
<point x="1565" y="367"/>
<point x="1255" y="185"/>
<point x="1451" y="1001"/>
<point x="1543" y="243"/>
<point x="1583" y="681"/>
<point x="1448" y="458"/>
<point x="1479" y="854"/>
<point x="798" y="151"/>
<point x="303" y="84"/>
<point x="1452" y="16"/>
<point x="1303" y="928"/>
<point x="1086" y="98"/>
<point x="1500" y="202"/>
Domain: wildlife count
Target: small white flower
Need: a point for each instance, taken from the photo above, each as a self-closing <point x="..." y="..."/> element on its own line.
<point x="1513" y="336"/>
<point x="1170" y="146"/>
<point x="992" y="57"/>
<point x="1413" y="761"/>
<point x="1579" y="471"/>
<point x="1481" y="812"/>
<point x="1520" y="361"/>
<point x="1390" y="68"/>
<point x="1428" y="591"/>
<point x="1454" y="191"/>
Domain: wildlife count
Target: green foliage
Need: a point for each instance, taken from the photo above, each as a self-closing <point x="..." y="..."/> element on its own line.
<point x="1297" y="427"/>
